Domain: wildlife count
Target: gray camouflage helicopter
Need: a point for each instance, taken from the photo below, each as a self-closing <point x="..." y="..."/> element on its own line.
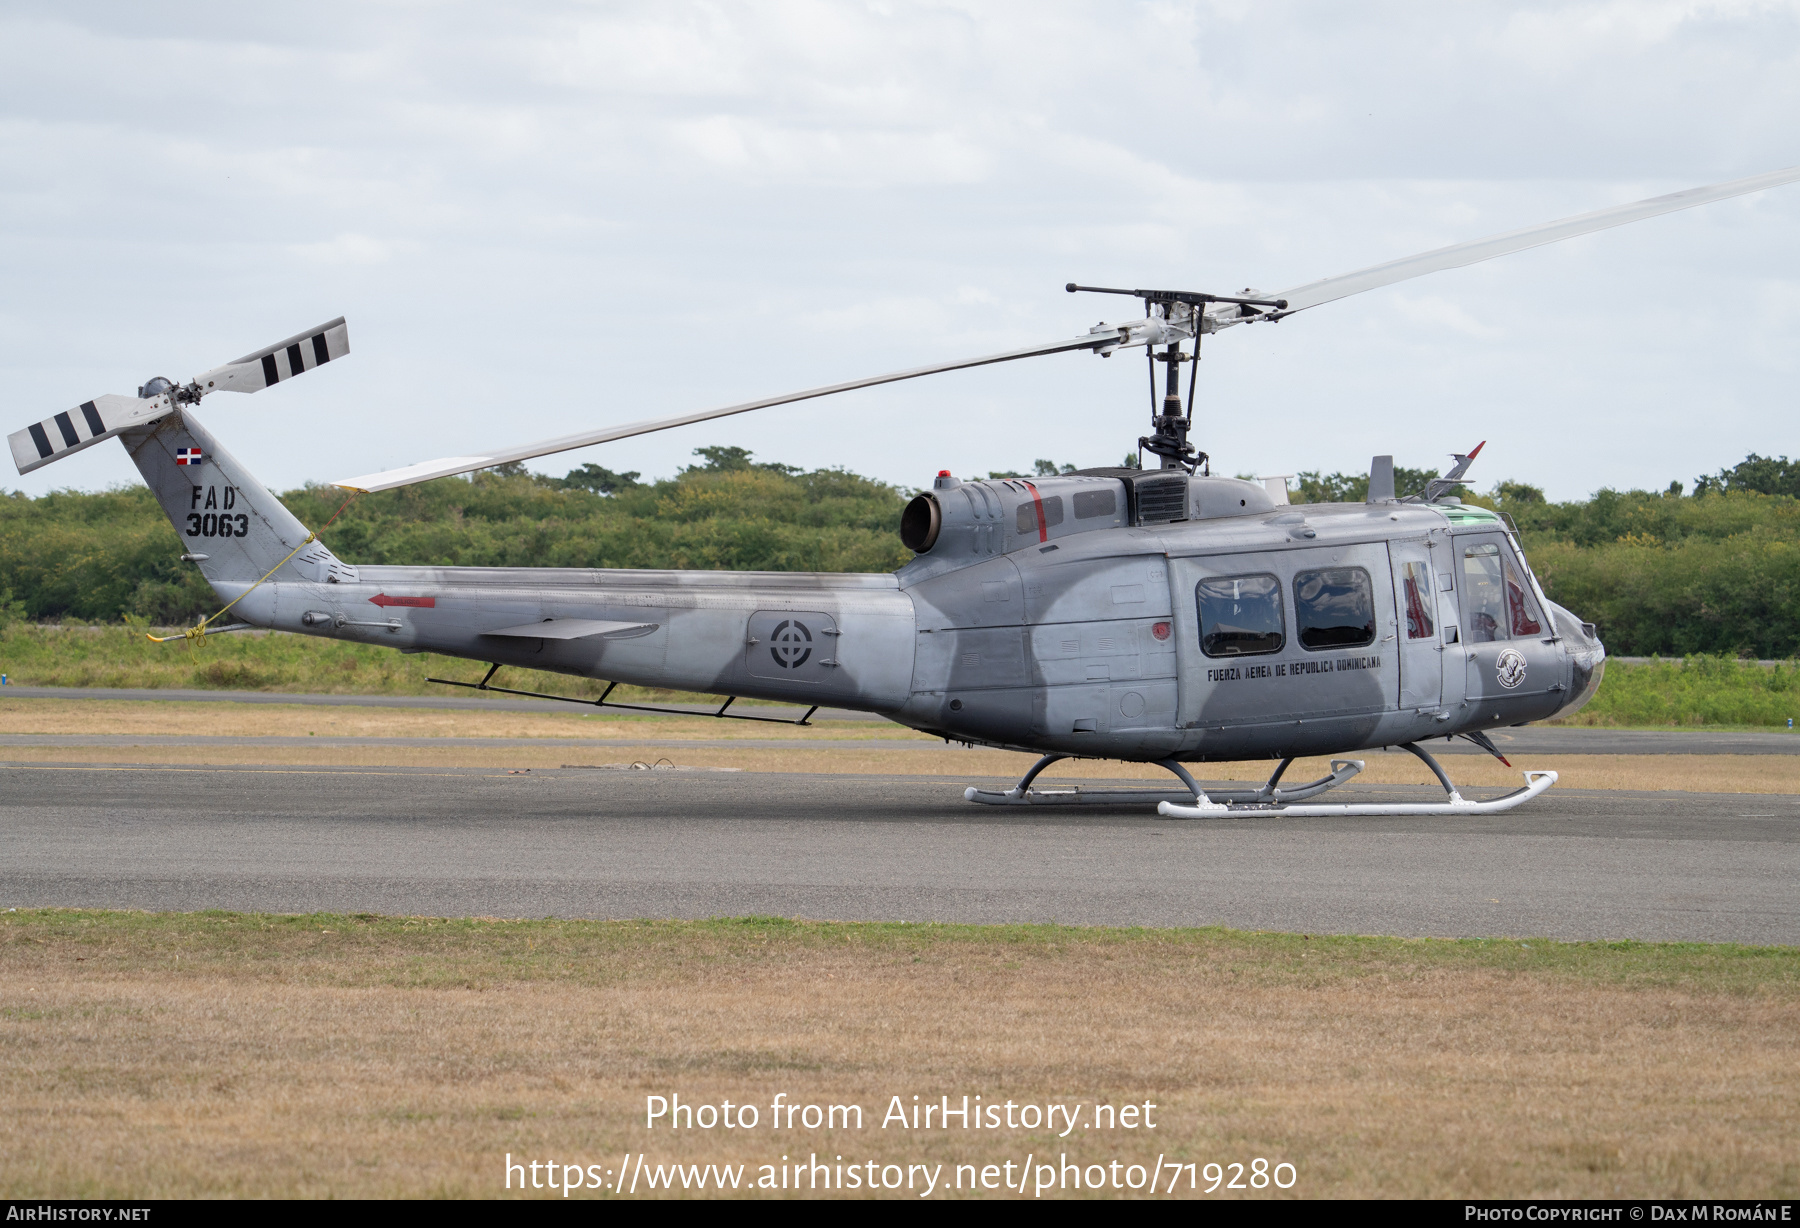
<point x="1161" y="616"/>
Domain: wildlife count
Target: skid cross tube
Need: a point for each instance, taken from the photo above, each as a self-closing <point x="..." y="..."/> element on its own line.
<point x="1436" y="769"/>
<point x="1194" y="796"/>
<point x="1022" y="794"/>
<point x="602" y="702"/>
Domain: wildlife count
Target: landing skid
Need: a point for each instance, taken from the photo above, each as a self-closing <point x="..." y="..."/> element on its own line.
<point x="1195" y="802"/>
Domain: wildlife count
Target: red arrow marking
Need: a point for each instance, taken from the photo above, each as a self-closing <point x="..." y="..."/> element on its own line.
<point x="382" y="599"/>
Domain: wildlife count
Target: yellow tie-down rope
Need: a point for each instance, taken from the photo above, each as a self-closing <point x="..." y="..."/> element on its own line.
<point x="199" y="631"/>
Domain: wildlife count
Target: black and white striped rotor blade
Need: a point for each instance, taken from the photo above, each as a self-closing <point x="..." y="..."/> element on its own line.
<point x="82" y="427"/>
<point x="103" y="417"/>
<point x="281" y="361"/>
<point x="1102" y="338"/>
<point x="1312" y="294"/>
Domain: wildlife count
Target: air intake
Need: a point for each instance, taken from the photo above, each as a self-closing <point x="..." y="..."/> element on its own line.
<point x="1161" y="497"/>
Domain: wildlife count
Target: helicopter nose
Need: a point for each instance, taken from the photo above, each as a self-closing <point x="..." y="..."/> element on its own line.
<point x="1587" y="658"/>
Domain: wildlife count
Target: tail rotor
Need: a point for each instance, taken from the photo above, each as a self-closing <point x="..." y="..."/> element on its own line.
<point x="100" y="419"/>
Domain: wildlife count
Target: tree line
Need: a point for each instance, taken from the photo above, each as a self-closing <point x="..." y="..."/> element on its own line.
<point x="1661" y="573"/>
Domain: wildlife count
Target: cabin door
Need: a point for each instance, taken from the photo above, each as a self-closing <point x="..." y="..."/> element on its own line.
<point x="1286" y="636"/>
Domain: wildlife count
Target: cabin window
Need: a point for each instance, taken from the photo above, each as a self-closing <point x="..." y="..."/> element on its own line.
<point x="1484" y="592"/>
<point x="1521" y="607"/>
<point x="1092" y="503"/>
<point x="1053" y="514"/>
<point x="1240" y="616"/>
<point x="1416" y="596"/>
<point x="1335" y="608"/>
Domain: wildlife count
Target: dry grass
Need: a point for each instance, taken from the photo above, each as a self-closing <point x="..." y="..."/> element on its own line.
<point x="1764" y="774"/>
<point x="89" y="716"/>
<point x="169" y="1055"/>
<point x="890" y="750"/>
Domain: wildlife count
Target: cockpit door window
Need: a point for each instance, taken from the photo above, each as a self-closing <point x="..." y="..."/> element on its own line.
<point x="1483" y="592"/>
<point x="1498" y="602"/>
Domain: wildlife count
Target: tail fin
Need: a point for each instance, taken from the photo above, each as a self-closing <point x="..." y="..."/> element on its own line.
<point x="231" y="525"/>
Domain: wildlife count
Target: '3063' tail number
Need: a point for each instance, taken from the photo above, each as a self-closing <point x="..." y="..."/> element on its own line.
<point x="217" y="524"/>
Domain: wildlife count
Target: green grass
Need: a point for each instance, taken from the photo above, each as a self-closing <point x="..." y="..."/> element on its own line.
<point x="1698" y="692"/>
<point x="244" y="661"/>
<point x="1706" y="692"/>
<point x="365" y="949"/>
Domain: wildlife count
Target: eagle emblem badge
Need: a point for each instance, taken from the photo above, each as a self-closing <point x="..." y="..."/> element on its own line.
<point x="1509" y="670"/>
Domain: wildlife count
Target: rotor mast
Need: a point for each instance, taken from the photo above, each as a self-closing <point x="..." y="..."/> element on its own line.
<point x="1169" y="426"/>
<point x="1180" y="315"/>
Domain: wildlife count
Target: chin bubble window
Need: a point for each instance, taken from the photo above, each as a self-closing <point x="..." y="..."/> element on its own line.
<point x="1240" y="616"/>
<point x="1335" y="608"/>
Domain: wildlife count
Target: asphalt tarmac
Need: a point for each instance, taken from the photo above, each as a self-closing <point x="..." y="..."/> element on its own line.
<point x="1574" y="864"/>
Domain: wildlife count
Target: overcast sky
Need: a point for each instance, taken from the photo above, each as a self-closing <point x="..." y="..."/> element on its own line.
<point x="549" y="217"/>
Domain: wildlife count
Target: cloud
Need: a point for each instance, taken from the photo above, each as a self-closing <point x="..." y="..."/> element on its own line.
<point x="543" y="217"/>
<point x="347" y="249"/>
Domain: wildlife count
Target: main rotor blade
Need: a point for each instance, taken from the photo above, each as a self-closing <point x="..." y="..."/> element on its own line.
<point x="1459" y="254"/>
<point x="450" y="466"/>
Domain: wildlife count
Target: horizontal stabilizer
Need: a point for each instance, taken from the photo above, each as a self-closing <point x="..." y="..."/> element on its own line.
<point x="574" y="629"/>
<point x="82" y="427"/>
<point x="283" y="360"/>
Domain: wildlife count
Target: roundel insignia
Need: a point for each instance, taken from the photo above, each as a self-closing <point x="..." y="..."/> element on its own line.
<point x="1509" y="668"/>
<point x="791" y="644"/>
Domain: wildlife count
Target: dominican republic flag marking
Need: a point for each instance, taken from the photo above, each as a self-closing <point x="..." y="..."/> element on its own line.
<point x="187" y="456"/>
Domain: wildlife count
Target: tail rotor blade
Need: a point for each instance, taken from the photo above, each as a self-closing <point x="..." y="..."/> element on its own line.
<point x="281" y="361"/>
<point x="82" y="427"/>
<point x="103" y="417"/>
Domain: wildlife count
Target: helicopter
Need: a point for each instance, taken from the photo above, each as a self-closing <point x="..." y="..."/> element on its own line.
<point x="1161" y="615"/>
